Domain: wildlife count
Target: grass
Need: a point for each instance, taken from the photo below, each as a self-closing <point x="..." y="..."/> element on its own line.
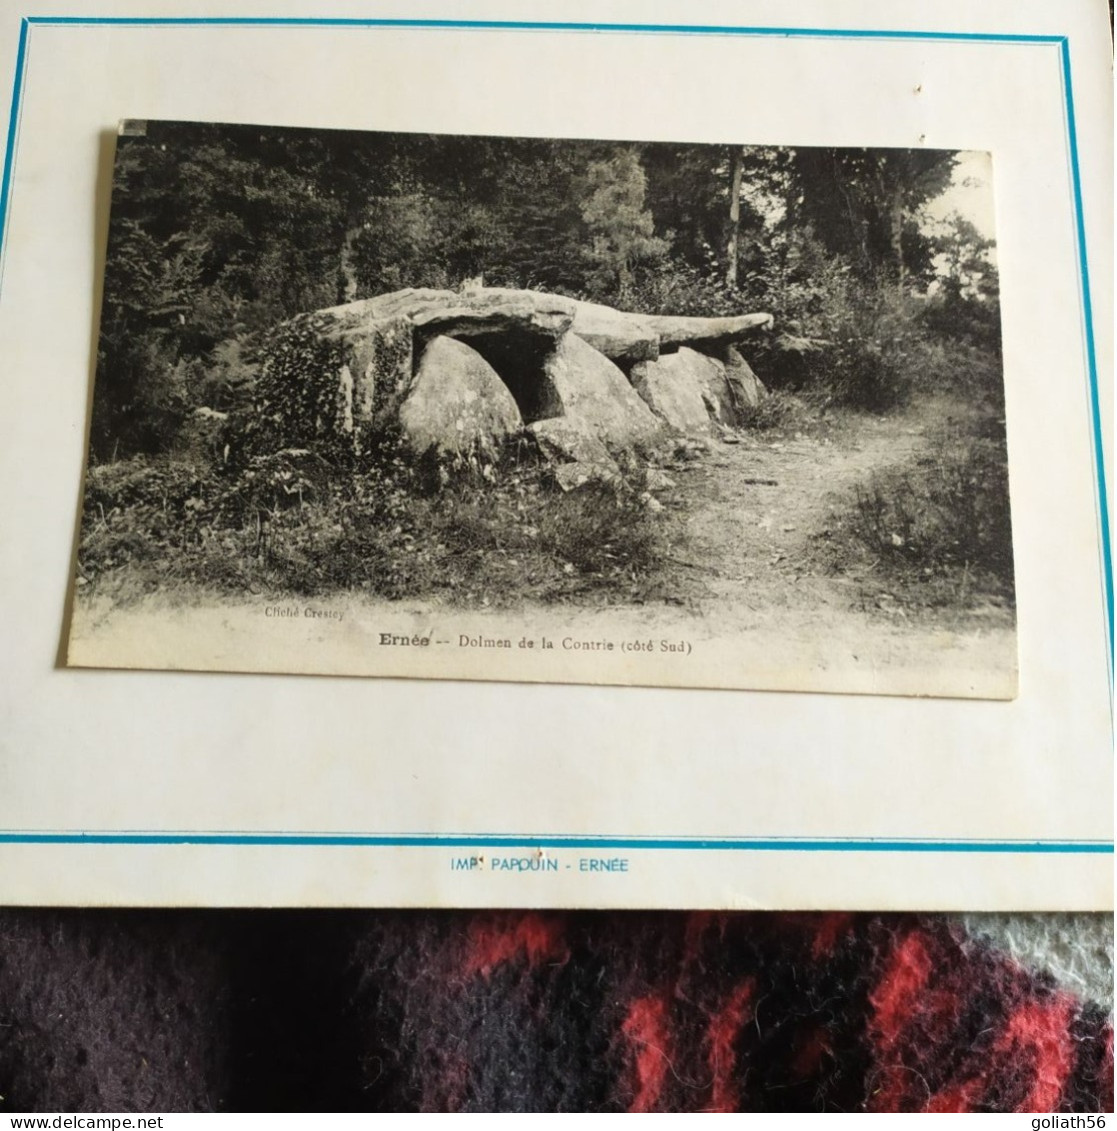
<point x="937" y="529"/>
<point x="780" y="411"/>
<point x="286" y="528"/>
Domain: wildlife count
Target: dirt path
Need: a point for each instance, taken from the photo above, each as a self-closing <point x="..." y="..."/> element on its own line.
<point x="755" y="507"/>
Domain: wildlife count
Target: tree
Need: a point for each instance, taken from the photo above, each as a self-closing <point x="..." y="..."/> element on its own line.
<point x="620" y="226"/>
<point x="964" y="260"/>
<point x="862" y="203"/>
<point x="736" y="173"/>
<point x="215" y="232"/>
<point x="686" y="194"/>
<point x="966" y="302"/>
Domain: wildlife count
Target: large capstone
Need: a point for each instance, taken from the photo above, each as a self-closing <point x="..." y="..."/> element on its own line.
<point x="464" y="314"/>
<point x="623" y="338"/>
<point x="457" y="404"/>
<point x="709" y="334"/>
<point x="627" y="338"/>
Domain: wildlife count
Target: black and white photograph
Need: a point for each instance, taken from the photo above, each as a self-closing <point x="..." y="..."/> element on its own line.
<point x="598" y="411"/>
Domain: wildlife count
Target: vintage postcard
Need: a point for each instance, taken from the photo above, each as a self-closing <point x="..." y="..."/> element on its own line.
<point x="665" y="413"/>
<point x="709" y="405"/>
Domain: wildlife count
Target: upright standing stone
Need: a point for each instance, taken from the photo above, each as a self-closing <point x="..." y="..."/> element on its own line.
<point x="714" y="385"/>
<point x="457" y="404"/>
<point x="675" y="389"/>
<point x="595" y="396"/>
<point x="376" y="355"/>
<point x="748" y="389"/>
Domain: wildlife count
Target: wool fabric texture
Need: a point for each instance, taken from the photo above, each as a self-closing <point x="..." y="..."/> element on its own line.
<point x="534" y="1011"/>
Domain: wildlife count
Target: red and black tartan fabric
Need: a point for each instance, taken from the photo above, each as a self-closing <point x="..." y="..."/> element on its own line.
<point x="531" y="1011"/>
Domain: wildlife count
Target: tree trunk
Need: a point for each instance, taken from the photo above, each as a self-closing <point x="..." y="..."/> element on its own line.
<point x="734" y="216"/>
<point x="624" y="280"/>
<point x="347" y="275"/>
<point x="897" y="217"/>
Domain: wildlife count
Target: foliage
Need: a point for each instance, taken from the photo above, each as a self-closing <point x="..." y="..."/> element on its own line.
<point x="945" y="518"/>
<point x="870" y="363"/>
<point x="939" y="361"/>
<point x="393" y="248"/>
<point x="839" y="339"/>
<point x="295" y="524"/>
<point x="228" y="381"/>
<point x="863" y="204"/>
<point x="620" y="227"/>
<point x="299" y="397"/>
<point x="668" y="286"/>
<point x="965" y="303"/>
<point x="601" y="530"/>
<point x="137" y="512"/>
<point x="218" y="233"/>
<point x="967" y="266"/>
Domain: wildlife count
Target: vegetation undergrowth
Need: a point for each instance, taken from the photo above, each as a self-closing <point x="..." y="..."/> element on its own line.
<point x="934" y="530"/>
<point x="291" y="524"/>
<point x="781" y="412"/>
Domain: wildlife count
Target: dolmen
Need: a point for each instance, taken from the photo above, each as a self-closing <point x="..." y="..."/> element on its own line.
<point x="463" y="372"/>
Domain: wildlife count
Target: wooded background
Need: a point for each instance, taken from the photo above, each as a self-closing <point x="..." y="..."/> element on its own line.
<point x="219" y="232"/>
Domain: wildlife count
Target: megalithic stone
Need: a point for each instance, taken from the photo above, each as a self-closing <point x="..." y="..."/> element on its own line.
<point x="595" y="397"/>
<point x="748" y="389"/>
<point x="707" y="333"/>
<point x="457" y="403"/>
<point x="488" y="310"/>
<point x="376" y="364"/>
<point x="674" y="388"/>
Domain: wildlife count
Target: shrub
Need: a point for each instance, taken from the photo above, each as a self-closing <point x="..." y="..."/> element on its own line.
<point x="599" y="529"/>
<point x="140" y="511"/>
<point x="958" y="365"/>
<point x="949" y="515"/>
<point x="673" y="287"/>
<point x="294" y="522"/>
<point x="970" y="319"/>
<point x="228" y="378"/>
<point x="856" y="349"/>
<point x="779" y="410"/>
<point x="839" y="337"/>
<point x="871" y="365"/>
<point x="172" y="489"/>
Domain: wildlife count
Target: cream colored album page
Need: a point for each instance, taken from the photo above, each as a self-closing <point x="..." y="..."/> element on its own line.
<point x="631" y="456"/>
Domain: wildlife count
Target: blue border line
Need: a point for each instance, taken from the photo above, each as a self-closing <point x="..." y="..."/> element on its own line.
<point x="531" y="841"/>
<point x="538" y="25"/>
<point x="10" y="144"/>
<point x="1091" y="351"/>
<point x="461" y="841"/>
